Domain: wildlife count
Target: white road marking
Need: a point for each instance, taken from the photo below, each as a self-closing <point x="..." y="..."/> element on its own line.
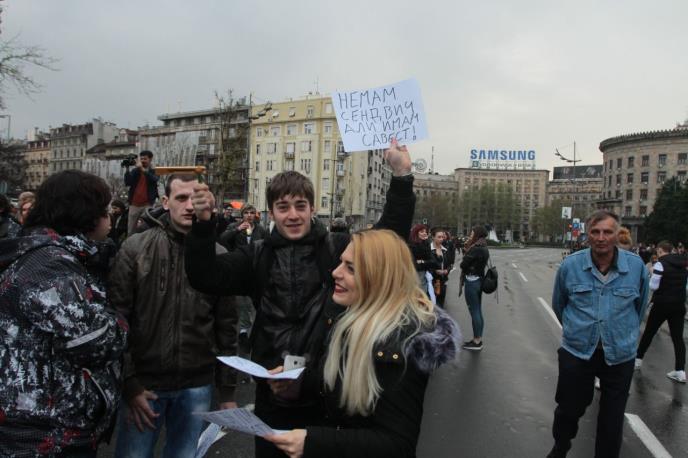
<point x="645" y="435"/>
<point x="549" y="310"/>
<point x="514" y="265"/>
<point x="523" y="277"/>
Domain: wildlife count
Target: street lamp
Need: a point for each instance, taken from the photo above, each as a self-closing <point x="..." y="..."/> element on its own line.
<point x="573" y="161"/>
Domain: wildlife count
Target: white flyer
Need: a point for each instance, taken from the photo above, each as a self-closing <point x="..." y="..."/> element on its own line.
<point x="242" y="420"/>
<point x="212" y="434"/>
<point x="251" y="368"/>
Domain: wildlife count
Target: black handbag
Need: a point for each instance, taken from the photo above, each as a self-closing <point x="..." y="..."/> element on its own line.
<point x="490" y="280"/>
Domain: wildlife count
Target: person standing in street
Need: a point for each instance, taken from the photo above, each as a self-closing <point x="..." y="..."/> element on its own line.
<point x="176" y="334"/>
<point x="600" y="296"/>
<point x="472" y="266"/>
<point x="143" y="188"/>
<point x="61" y="343"/>
<point x="668" y="282"/>
<point x="440" y="276"/>
<point x="289" y="277"/>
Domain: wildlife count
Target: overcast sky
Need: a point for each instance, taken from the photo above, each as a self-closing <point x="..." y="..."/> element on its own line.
<point x="493" y="74"/>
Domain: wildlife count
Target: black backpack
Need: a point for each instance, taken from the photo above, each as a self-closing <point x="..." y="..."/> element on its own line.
<point x="490" y="281"/>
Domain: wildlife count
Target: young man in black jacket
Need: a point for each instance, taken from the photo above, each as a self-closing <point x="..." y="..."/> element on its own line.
<point x="289" y="277"/>
<point x="668" y="282"/>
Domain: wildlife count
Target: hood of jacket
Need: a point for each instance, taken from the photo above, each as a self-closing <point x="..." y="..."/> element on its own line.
<point x="431" y="348"/>
<point x="675" y="260"/>
<point x="84" y="249"/>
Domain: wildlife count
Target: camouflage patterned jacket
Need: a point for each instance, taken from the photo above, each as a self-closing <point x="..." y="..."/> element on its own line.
<point x="60" y="347"/>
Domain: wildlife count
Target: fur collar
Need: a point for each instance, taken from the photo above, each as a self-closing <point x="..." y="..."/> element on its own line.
<point x="429" y="349"/>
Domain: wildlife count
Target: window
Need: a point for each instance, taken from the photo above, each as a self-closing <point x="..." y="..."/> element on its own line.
<point x="325" y="185"/>
<point x="323" y="202"/>
<point x="259" y="131"/>
<point x="609" y="180"/>
<point x="629" y="178"/>
<point x="270" y="165"/>
<point x="327" y="127"/>
<point x="326" y="164"/>
<point x="618" y="179"/>
<point x="681" y="176"/>
<point x="271" y="148"/>
<point x="617" y="194"/>
<point x="643" y="210"/>
<point x="308" y="127"/>
<point x="629" y="194"/>
<point x="645" y="161"/>
<point x="645" y="177"/>
<point x="340" y="166"/>
<point x="306" y="146"/>
<point x="306" y="165"/>
<point x="290" y="148"/>
<point x="643" y="194"/>
<point x="627" y="211"/>
<point x="257" y="166"/>
<point x="291" y="129"/>
<point x="682" y="158"/>
<point x="631" y="162"/>
<point x="661" y="177"/>
<point x="258" y="150"/>
<point x="310" y="111"/>
<point x="661" y="160"/>
<point x="289" y="165"/>
<point x="619" y="163"/>
<point x="328" y="108"/>
<point x="292" y="112"/>
<point x="327" y="146"/>
<point x="611" y="164"/>
<point x="275" y="131"/>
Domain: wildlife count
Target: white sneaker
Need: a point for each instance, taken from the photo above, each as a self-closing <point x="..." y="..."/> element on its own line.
<point x="677" y="376"/>
<point x="638" y="364"/>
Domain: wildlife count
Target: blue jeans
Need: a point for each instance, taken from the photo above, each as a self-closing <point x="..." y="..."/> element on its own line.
<point x="474" y="297"/>
<point x="182" y="428"/>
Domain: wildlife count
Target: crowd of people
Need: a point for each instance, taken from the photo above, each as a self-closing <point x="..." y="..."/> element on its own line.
<point x="112" y="315"/>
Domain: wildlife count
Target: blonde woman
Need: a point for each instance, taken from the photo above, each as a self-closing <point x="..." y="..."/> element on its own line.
<point x="380" y="354"/>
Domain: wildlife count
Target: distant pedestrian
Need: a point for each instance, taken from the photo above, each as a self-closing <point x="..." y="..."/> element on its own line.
<point x="473" y="265"/>
<point x="9" y="227"/>
<point x="24" y="205"/>
<point x="339" y="225"/>
<point x="422" y="255"/>
<point x="119" y="219"/>
<point x="143" y="188"/>
<point x="668" y="282"/>
<point x="440" y="275"/>
<point x="600" y="296"/>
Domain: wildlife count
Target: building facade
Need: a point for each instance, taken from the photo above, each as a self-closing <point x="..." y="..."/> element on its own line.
<point x="437" y="198"/>
<point x="635" y="168"/>
<point x="525" y="188"/>
<point x="216" y="138"/>
<point x="69" y="143"/>
<point x="302" y="135"/>
<point x="37" y="156"/>
<point x="579" y="187"/>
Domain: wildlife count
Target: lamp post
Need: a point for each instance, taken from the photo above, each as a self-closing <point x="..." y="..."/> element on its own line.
<point x="573" y="161"/>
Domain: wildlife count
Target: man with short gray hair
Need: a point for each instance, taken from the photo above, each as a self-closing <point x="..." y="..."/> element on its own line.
<point x="600" y="296"/>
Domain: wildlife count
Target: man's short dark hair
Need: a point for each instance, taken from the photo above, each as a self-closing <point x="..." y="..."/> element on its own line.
<point x="247" y="208"/>
<point x="119" y="204"/>
<point x="146" y="153"/>
<point x="666" y="246"/>
<point x="599" y="215"/>
<point x="184" y="177"/>
<point x="70" y="202"/>
<point x="289" y="184"/>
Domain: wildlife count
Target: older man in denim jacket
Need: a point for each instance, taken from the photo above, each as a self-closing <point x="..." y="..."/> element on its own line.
<point x="600" y="296"/>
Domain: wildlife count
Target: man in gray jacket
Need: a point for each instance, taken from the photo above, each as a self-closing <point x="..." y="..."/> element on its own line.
<point x="176" y="332"/>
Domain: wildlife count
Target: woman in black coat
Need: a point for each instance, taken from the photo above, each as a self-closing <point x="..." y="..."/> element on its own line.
<point x="472" y="273"/>
<point x="380" y="353"/>
<point x="423" y="260"/>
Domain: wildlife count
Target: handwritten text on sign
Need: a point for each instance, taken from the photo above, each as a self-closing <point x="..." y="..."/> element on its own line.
<point x="371" y="118"/>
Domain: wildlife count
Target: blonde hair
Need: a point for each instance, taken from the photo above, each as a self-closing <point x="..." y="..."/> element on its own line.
<point x="389" y="298"/>
<point x="624" y="239"/>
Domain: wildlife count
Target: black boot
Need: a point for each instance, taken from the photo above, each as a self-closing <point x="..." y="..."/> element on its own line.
<point x="558" y="451"/>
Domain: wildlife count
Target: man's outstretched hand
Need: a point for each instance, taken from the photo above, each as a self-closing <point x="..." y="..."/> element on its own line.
<point x="398" y="159"/>
<point x="203" y="202"/>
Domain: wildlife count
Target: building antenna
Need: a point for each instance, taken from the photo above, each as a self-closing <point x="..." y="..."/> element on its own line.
<point x="432" y="161"/>
<point x="317" y="85"/>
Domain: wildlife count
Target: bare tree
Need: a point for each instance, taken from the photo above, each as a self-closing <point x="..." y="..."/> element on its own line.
<point x="14" y="60"/>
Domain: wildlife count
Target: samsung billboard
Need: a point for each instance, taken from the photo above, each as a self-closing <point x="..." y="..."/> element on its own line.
<point x="504" y="159"/>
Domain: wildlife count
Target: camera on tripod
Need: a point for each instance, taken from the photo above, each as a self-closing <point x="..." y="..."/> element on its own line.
<point x="129" y="161"/>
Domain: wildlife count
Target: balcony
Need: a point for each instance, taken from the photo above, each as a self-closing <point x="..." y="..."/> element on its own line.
<point x="288" y="155"/>
<point x="340" y="173"/>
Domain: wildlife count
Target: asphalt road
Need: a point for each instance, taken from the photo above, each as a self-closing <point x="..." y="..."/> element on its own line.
<point x="499" y="402"/>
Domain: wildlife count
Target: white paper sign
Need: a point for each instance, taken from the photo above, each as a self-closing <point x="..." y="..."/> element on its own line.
<point x="212" y="434"/>
<point x="371" y="118"/>
<point x="251" y="368"/>
<point x="242" y="420"/>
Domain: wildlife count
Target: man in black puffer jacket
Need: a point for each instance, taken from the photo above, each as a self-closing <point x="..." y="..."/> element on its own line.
<point x="289" y="278"/>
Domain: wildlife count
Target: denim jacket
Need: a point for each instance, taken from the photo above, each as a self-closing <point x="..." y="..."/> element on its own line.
<point x="592" y="310"/>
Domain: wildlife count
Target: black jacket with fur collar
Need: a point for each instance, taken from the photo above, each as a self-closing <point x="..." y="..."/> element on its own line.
<point x="403" y="368"/>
